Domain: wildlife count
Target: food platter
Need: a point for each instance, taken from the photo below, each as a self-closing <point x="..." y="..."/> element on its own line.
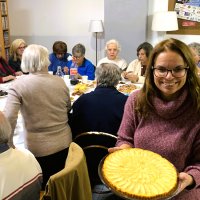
<point x="82" y="88"/>
<point x="123" y="196"/>
<point x="126" y="88"/>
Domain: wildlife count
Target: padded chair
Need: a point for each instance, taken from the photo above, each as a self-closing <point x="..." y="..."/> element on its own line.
<point x="95" y="146"/>
<point x="71" y="183"/>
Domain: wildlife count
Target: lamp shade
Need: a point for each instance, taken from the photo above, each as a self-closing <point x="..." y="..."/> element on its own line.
<point x="96" y="26"/>
<point x="165" y="21"/>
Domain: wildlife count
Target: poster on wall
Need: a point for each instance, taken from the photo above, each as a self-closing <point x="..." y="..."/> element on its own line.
<point x="188" y="14"/>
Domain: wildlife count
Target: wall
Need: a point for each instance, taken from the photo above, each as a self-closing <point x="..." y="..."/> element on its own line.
<point x="123" y="24"/>
<point x="44" y="21"/>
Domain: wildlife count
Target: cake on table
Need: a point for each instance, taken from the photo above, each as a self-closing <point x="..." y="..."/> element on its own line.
<point x="139" y="174"/>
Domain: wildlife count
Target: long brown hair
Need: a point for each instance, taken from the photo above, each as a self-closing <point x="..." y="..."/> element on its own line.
<point x="192" y="82"/>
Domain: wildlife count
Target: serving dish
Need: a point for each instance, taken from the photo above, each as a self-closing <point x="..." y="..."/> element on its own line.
<point x="123" y="196"/>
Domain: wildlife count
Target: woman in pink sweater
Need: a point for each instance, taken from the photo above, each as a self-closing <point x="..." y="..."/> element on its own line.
<point x="164" y="116"/>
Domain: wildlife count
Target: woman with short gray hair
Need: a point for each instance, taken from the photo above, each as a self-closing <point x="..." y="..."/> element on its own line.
<point x="108" y="75"/>
<point x="44" y="102"/>
<point x="102" y="109"/>
<point x="84" y="66"/>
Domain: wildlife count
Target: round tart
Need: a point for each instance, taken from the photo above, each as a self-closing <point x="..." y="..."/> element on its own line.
<point x="139" y="174"/>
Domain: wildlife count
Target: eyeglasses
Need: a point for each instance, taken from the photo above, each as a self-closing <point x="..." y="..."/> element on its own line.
<point x="177" y="72"/>
<point x="77" y="57"/>
<point x="22" y="47"/>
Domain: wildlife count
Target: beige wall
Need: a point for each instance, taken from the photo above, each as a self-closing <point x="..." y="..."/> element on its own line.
<point x="44" y="21"/>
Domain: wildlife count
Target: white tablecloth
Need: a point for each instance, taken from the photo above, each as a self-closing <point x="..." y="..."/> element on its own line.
<point x="19" y="131"/>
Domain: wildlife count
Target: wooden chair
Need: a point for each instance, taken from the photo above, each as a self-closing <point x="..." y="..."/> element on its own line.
<point x="71" y="183"/>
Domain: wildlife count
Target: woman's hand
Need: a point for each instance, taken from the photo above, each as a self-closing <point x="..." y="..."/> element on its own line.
<point x="123" y="146"/>
<point x="132" y="77"/>
<point x="123" y="74"/>
<point x="8" y="78"/>
<point x="78" y="76"/>
<point x="185" y="180"/>
<point x="66" y="70"/>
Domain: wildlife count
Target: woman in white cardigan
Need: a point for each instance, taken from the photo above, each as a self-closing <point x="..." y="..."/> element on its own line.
<point x="136" y="69"/>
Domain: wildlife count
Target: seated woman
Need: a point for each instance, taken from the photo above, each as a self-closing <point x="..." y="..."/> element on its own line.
<point x="7" y="73"/>
<point x="16" y="181"/>
<point x="136" y="69"/>
<point x="195" y="49"/>
<point x="16" y="51"/>
<point x="102" y="109"/>
<point x="85" y="67"/>
<point x="112" y="49"/>
<point x="59" y="57"/>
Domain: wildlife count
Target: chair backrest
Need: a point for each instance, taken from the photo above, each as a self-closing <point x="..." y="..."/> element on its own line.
<point x="95" y="146"/>
<point x="71" y="183"/>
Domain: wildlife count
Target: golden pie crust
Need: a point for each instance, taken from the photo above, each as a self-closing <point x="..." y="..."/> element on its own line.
<point x="140" y="174"/>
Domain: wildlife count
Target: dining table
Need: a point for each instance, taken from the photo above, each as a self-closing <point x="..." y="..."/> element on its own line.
<point x="18" y="138"/>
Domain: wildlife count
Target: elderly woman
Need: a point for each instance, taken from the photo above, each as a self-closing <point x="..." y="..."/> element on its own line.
<point x="25" y="183"/>
<point x="136" y="69"/>
<point x="84" y="66"/>
<point x="59" y="57"/>
<point x="112" y="49"/>
<point x="101" y="109"/>
<point x="16" y="50"/>
<point x="195" y="48"/>
<point x="44" y="103"/>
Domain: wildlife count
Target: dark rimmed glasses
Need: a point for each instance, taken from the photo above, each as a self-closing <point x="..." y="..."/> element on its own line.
<point x="78" y="57"/>
<point x="23" y="47"/>
<point x="177" y="72"/>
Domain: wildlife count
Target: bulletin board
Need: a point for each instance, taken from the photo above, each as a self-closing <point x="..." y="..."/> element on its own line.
<point x="188" y="14"/>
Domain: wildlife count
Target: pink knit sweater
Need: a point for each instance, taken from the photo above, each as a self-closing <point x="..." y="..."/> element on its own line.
<point x="172" y="129"/>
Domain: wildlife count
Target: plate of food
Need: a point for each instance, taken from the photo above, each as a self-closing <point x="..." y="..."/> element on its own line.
<point x="79" y="89"/>
<point x="137" y="174"/>
<point x="126" y="88"/>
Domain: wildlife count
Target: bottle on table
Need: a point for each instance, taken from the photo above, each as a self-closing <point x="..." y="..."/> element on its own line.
<point x="73" y="74"/>
<point x="59" y="72"/>
<point x="73" y="71"/>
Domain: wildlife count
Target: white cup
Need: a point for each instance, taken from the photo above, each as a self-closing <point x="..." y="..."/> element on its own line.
<point x="66" y="79"/>
<point x="50" y="72"/>
<point x="84" y="79"/>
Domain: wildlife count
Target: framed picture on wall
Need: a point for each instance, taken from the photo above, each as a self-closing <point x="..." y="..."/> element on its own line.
<point x="188" y="14"/>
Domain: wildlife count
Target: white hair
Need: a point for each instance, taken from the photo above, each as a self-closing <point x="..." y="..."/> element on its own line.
<point x="113" y="41"/>
<point x="35" y="58"/>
